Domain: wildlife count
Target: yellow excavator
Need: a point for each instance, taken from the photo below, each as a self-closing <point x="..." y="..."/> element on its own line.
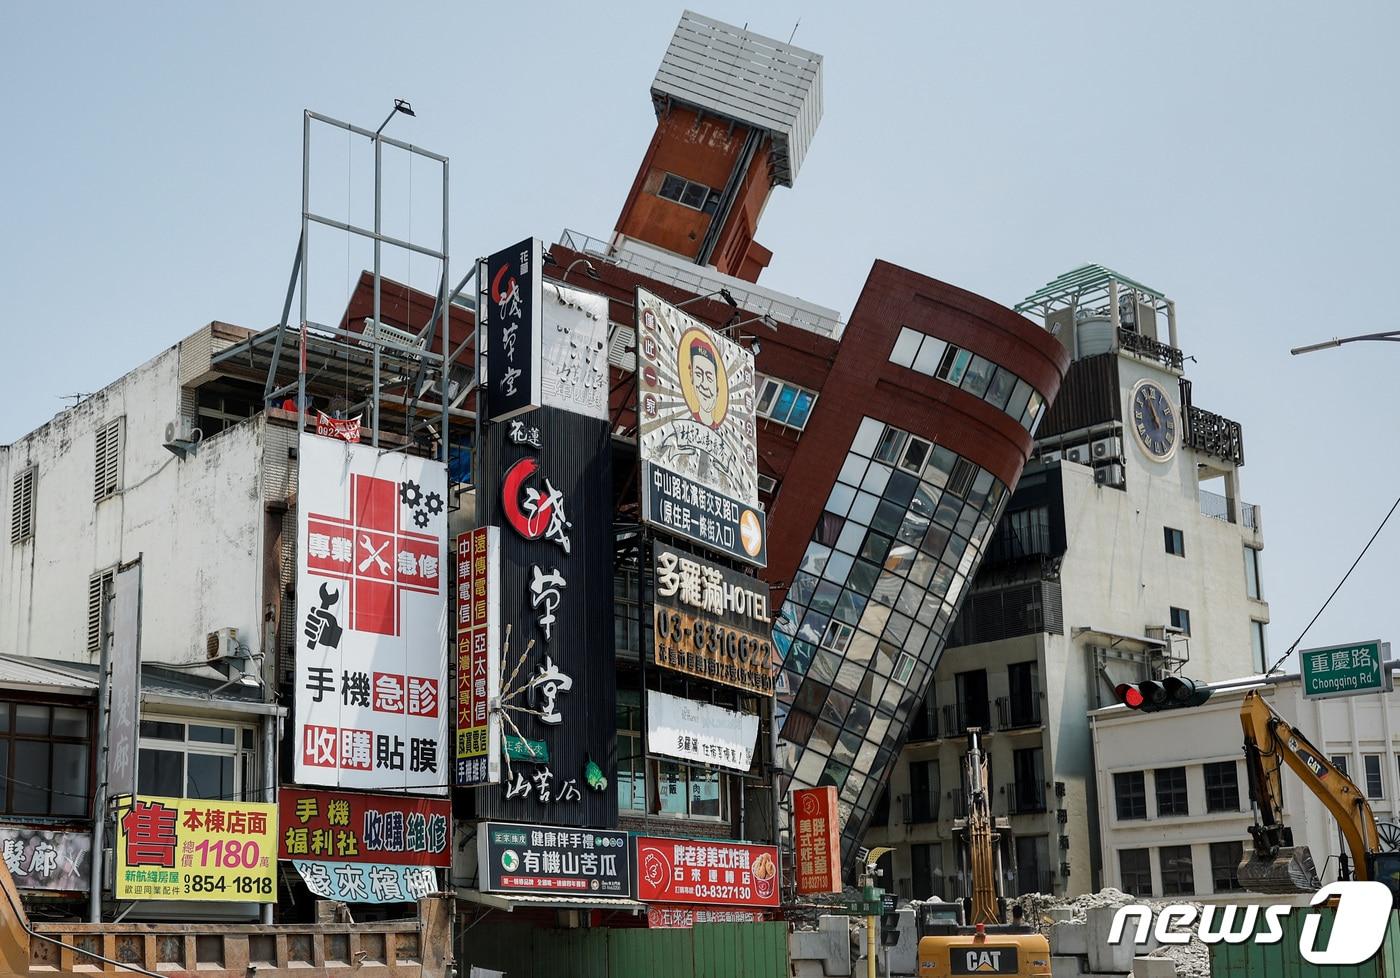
<point x="986" y="944"/>
<point x="1276" y="865"/>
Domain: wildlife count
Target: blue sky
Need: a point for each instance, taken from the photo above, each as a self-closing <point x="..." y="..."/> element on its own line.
<point x="1240" y="157"/>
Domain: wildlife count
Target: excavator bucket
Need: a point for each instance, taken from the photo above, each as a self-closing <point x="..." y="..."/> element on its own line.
<point x="1291" y="870"/>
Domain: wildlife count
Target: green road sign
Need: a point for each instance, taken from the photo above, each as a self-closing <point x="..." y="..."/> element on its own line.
<point x="520" y="749"/>
<point x="1344" y="670"/>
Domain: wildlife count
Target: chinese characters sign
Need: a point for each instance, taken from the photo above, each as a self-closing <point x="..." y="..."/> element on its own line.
<point x="367" y="882"/>
<point x="510" y="345"/>
<point x="342" y="827"/>
<point x="711" y="622"/>
<point x="478" y="655"/>
<point x="694" y="731"/>
<point x="688" y="509"/>
<point x="706" y="872"/>
<point x="687" y="917"/>
<point x="371" y="669"/>
<point x="1345" y="670"/>
<point x="187" y="849"/>
<point x="574" y="365"/>
<point x="540" y="860"/>
<point x="818" y="840"/>
<point x="346" y="429"/>
<point x="47" y="860"/>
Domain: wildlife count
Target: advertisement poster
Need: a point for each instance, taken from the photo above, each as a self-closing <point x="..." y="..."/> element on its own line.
<point x="818" y="840"/>
<point x="186" y="849"/>
<point x="693" y="731"/>
<point x="711" y="622"/>
<point x="478" y="656"/>
<point x="687" y="509"/>
<point x="39" y="860"/>
<point x="706" y="872"/>
<point x="371" y="664"/>
<point x="509" y="343"/>
<point x="574" y="365"/>
<point x="555" y="862"/>
<point x="339" y="826"/>
<point x="687" y="917"/>
<point x="367" y="882"/>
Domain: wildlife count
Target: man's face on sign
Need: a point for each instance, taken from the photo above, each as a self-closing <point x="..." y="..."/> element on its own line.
<point x="702" y="375"/>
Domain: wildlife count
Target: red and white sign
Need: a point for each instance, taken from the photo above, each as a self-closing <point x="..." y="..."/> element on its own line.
<point x="372" y="629"/>
<point x="818" y="840"/>
<point x="478" y="757"/>
<point x="346" y="429"/>
<point x="705" y="872"/>
<point x="686" y="917"/>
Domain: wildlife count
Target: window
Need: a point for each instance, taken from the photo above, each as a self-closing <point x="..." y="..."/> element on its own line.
<point x="44" y="759"/>
<point x="1135" y="867"/>
<point x="928" y="870"/>
<point x="1225" y="866"/>
<point x="1339" y="761"/>
<point x="1028" y="791"/>
<point x="1130" y="793"/>
<point x="1181" y="618"/>
<point x="1256" y="641"/>
<point x="1023" y="705"/>
<point x="631" y="773"/>
<point x="22" y="506"/>
<point x="1222" y="787"/>
<point x="924" y="789"/>
<point x="1174" y="862"/>
<point x="1033" y="866"/>
<point x="694" y="195"/>
<point x="1251" y="573"/>
<point x="767" y="484"/>
<point x="1171" y="791"/>
<point x="785" y="403"/>
<point x="98" y="585"/>
<point x="211" y="759"/>
<point x="1371" y="768"/>
<point x="1176" y="542"/>
<point x="972" y="700"/>
<point x="689" y="792"/>
<point x="107" y="460"/>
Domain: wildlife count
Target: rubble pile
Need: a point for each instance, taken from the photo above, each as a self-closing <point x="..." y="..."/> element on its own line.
<point x="1192" y="959"/>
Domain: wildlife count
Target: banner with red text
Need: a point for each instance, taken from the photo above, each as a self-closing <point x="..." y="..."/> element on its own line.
<point x="334" y="826"/>
<point x="187" y="849"/>
<point x="706" y="872"/>
<point x="818" y="840"/>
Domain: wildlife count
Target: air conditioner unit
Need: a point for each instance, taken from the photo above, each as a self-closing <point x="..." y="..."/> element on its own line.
<point x="1079" y="453"/>
<point x="1105" y="448"/>
<point x="384" y="333"/>
<point x="222" y="644"/>
<point x="1050" y="456"/>
<point x="1109" y="475"/>
<point x="181" y="437"/>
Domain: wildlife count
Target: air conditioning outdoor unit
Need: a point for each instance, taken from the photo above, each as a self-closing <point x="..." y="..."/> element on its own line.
<point x="222" y="644"/>
<point x="1106" y="448"/>
<point x="1109" y="475"/>
<point x="1050" y="456"/>
<point x="1079" y="453"/>
<point x="384" y="333"/>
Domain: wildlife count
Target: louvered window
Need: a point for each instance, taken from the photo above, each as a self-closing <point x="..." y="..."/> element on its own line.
<point x="107" y="460"/>
<point x="22" y="507"/>
<point x="97" y="587"/>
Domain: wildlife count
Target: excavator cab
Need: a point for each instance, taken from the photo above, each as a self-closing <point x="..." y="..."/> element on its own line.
<point x="1385" y="867"/>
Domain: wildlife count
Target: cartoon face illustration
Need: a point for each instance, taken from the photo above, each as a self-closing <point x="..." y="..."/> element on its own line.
<point x="704" y="382"/>
<point x="703" y="371"/>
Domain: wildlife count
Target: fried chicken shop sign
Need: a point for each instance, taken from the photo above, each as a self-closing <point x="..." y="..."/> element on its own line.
<point x="706" y="873"/>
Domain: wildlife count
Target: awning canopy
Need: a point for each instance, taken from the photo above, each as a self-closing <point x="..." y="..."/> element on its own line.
<point x="512" y="901"/>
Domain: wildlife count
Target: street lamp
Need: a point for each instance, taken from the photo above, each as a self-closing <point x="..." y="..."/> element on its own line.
<point x="1393" y="336"/>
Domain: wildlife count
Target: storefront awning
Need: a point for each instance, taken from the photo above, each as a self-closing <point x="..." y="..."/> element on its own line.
<point x="513" y="901"/>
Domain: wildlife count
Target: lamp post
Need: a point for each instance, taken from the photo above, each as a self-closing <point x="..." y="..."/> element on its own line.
<point x="1393" y="336"/>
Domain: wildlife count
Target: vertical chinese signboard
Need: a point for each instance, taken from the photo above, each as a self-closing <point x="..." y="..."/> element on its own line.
<point x="363" y="848"/>
<point x="478" y="656"/>
<point x="510" y="339"/>
<point x="546" y="479"/>
<point x="706" y="872"/>
<point x="187" y="849"/>
<point x="371" y="666"/>
<point x="696" y="432"/>
<point x="818" y="840"/>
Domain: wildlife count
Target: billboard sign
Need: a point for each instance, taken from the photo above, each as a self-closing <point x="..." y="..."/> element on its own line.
<point x="1345" y="670"/>
<point x="361" y="828"/>
<point x="479" y="639"/>
<point x="660" y="916"/>
<point x="699" y="732"/>
<point x="371" y="666"/>
<point x="367" y="882"/>
<point x="188" y="849"/>
<point x="509" y="342"/>
<point x="684" y="507"/>
<point x="818" y="840"/>
<point x="711" y="621"/>
<point x="540" y="860"/>
<point x="124" y="681"/>
<point x="574" y="364"/>
<point x="706" y="872"/>
<point x="39" y="860"/>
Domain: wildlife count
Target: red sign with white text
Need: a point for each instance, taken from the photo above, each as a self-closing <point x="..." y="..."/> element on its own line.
<point x="337" y="826"/>
<point x="686" y="917"/>
<point x="710" y="873"/>
<point x="818" y="840"/>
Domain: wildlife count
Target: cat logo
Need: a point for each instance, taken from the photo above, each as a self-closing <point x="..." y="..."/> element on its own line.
<point x="983" y="960"/>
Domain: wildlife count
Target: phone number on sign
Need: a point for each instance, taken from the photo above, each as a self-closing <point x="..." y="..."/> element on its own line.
<point x="708" y="891"/>
<point x="233" y="885"/>
<point x="680" y="629"/>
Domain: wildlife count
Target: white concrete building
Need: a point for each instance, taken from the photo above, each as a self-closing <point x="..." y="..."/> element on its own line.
<point x="1116" y="560"/>
<point x="1173" y="794"/>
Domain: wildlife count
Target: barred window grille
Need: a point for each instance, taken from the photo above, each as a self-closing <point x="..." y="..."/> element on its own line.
<point x="97" y="588"/>
<point x="107" y="458"/>
<point x="22" y="507"/>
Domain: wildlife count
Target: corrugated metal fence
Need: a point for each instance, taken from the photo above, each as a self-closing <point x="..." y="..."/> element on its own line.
<point x="707" y="951"/>
<point x="1284" y="960"/>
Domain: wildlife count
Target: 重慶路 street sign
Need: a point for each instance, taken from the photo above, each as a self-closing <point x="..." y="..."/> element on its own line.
<point x="1344" y="670"/>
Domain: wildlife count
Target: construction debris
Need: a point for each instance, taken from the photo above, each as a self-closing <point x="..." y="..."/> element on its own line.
<point x="1043" y="911"/>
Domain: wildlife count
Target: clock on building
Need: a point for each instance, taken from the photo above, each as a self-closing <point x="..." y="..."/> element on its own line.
<point x="1154" y="420"/>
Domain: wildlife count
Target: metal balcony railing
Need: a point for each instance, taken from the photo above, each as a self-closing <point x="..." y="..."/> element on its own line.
<point x="919" y="809"/>
<point x="1025" y="798"/>
<point x="957" y="803"/>
<point x="957" y="717"/>
<point x="1018" y="712"/>
<point x="1217" y="507"/>
<point x="1135" y="342"/>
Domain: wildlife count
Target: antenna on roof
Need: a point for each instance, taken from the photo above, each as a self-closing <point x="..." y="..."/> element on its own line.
<point x="794" y="30"/>
<point x="75" y="398"/>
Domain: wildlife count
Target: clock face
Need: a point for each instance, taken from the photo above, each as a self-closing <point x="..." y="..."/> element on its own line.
<point x="1154" y="420"/>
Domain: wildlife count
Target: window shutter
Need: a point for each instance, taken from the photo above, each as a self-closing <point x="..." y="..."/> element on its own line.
<point x="97" y="587"/>
<point x="22" y="507"/>
<point x="106" y="469"/>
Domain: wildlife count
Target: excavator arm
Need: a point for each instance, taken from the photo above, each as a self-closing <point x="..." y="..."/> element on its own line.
<point x="1276" y="865"/>
<point x="981" y="835"/>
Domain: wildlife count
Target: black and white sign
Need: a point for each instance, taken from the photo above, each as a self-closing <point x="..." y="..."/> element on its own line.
<point x="692" y="731"/>
<point x="574" y="364"/>
<point x="688" y="509"/>
<point x="509" y="344"/>
<point x="548" y="861"/>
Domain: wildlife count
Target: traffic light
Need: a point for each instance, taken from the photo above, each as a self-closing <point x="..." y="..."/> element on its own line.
<point x="1172" y="693"/>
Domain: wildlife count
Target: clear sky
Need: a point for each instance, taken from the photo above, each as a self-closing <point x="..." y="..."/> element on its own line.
<point x="1241" y="157"/>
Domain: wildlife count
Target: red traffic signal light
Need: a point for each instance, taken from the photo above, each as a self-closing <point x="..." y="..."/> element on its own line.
<point x="1171" y="693"/>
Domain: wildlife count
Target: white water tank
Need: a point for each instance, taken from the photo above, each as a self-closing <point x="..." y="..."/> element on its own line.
<point x="1095" y="334"/>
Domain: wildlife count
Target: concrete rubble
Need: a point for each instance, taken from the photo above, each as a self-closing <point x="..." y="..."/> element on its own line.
<point x="1078" y="929"/>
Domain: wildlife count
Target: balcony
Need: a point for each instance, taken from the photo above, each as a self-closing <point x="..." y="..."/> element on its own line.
<point x="958" y="717"/>
<point x="1213" y="434"/>
<point x="1145" y="346"/>
<point x="1025" y="798"/>
<point x="919" y="809"/>
<point x="1019" y="712"/>
<point x="1227" y="510"/>
<point x="957" y="803"/>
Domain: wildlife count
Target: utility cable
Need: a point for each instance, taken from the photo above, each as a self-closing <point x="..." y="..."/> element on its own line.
<point x="1297" y="641"/>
